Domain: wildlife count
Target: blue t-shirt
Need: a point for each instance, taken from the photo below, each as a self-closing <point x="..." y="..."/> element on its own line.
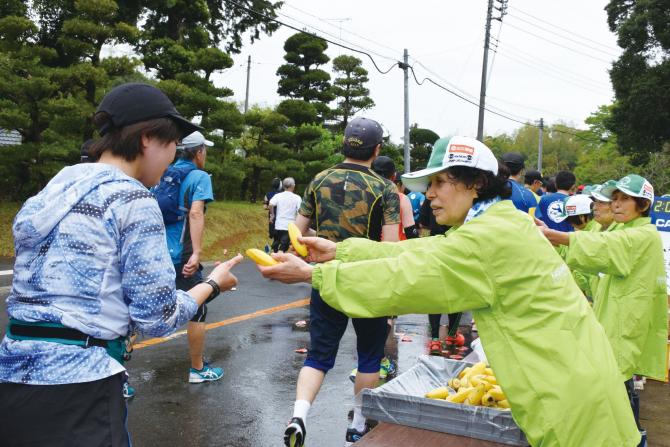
<point x="416" y="199"/>
<point x="196" y="186"/>
<point x="522" y="198"/>
<point x="550" y="209"/>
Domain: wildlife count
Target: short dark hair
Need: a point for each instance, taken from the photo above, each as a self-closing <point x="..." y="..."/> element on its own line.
<point x="565" y="180"/>
<point x="488" y="184"/>
<point x="359" y="153"/>
<point x="550" y="184"/>
<point x="643" y="205"/>
<point x="190" y="153"/>
<point x="126" y="141"/>
<point x="580" y="219"/>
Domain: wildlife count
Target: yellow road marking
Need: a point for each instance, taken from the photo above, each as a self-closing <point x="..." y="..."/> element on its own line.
<point x="258" y="313"/>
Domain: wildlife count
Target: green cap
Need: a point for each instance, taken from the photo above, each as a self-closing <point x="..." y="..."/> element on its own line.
<point x="597" y="194"/>
<point x="457" y="151"/>
<point x="632" y="185"/>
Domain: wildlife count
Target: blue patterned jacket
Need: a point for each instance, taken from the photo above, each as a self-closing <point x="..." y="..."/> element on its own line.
<point x="91" y="254"/>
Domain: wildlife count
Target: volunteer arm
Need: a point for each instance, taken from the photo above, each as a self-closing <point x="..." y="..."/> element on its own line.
<point x="445" y="276"/>
<point x="607" y="252"/>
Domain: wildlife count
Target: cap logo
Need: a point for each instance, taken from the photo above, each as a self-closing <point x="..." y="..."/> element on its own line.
<point x="625" y="181"/>
<point x="648" y="190"/>
<point x="571" y="209"/>
<point x="354" y="142"/>
<point x="461" y="149"/>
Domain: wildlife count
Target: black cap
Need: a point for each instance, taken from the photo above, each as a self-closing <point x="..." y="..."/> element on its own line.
<point x="384" y="166"/>
<point x="363" y="133"/>
<point x="533" y="175"/>
<point x="513" y="159"/>
<point x="135" y="102"/>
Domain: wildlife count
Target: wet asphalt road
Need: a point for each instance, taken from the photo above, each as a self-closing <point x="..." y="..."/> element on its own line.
<point x="252" y="403"/>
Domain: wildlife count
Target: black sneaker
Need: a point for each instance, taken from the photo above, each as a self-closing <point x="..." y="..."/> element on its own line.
<point x="294" y="435"/>
<point x="354" y="435"/>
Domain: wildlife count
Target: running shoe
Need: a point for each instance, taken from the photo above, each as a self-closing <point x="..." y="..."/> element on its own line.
<point x="352" y="375"/>
<point x="435" y="347"/>
<point x="354" y="435"/>
<point x="294" y="435"/>
<point x="386" y="368"/>
<point x="206" y="374"/>
<point x="128" y="391"/>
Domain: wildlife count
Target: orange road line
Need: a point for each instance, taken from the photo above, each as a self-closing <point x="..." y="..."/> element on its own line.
<point x="239" y="318"/>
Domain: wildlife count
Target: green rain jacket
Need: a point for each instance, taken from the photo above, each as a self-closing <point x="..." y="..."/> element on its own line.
<point x="549" y="354"/>
<point x="631" y="299"/>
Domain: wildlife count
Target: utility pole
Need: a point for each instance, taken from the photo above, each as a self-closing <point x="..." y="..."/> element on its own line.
<point x="487" y="39"/>
<point x="405" y="68"/>
<point x="482" y="90"/>
<point x="246" y="96"/>
<point x="539" y="146"/>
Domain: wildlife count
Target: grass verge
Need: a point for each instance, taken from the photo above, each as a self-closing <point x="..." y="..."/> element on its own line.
<point x="234" y="226"/>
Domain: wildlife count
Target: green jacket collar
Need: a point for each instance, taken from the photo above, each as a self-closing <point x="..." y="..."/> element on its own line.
<point x="640" y="221"/>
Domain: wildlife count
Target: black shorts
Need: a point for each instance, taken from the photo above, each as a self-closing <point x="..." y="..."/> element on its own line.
<point x="186" y="284"/>
<point x="89" y="414"/>
<point x="326" y="328"/>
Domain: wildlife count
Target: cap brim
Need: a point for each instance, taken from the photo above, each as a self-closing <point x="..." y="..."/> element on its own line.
<point x="418" y="181"/>
<point x="600" y="197"/>
<point x="186" y="127"/>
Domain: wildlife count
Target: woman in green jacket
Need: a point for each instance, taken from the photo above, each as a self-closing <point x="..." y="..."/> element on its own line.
<point x="549" y="354"/>
<point x="631" y="297"/>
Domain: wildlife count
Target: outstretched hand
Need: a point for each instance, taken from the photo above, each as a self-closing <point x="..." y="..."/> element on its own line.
<point x="222" y="275"/>
<point x="290" y="270"/>
<point x="319" y="249"/>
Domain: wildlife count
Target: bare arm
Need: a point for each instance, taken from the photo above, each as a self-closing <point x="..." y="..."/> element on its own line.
<point x="196" y="218"/>
<point x="302" y="223"/>
<point x="390" y="233"/>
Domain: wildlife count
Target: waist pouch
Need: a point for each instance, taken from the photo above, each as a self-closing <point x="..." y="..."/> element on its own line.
<point x="119" y="348"/>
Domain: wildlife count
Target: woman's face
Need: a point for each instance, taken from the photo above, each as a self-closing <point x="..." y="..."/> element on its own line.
<point x="449" y="199"/>
<point x="624" y="207"/>
<point x="602" y="212"/>
<point x="156" y="157"/>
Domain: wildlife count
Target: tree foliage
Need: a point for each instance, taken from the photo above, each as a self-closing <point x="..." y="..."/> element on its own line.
<point x="421" y="144"/>
<point x="349" y="88"/>
<point x="641" y="76"/>
<point x="300" y="77"/>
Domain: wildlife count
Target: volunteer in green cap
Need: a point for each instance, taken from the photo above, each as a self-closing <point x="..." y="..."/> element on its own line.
<point x="631" y="299"/>
<point x="549" y="353"/>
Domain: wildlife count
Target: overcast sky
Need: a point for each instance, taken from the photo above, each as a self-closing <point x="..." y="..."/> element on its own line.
<point x="552" y="60"/>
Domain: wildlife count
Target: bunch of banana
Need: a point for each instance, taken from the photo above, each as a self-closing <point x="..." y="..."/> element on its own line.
<point x="475" y="385"/>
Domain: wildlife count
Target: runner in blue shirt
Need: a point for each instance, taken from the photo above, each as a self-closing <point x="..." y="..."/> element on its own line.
<point x="550" y="209"/>
<point x="522" y="199"/>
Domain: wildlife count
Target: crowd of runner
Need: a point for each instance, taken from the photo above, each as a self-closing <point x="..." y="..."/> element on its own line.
<point x="566" y="283"/>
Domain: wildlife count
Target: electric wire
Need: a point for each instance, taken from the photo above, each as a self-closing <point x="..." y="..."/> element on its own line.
<point x="570" y="31"/>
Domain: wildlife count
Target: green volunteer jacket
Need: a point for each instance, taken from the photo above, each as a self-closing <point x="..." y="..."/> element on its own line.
<point x="594" y="280"/>
<point x="548" y="352"/>
<point x="631" y="299"/>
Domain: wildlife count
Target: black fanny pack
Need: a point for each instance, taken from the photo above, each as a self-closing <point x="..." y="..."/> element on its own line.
<point x="119" y="348"/>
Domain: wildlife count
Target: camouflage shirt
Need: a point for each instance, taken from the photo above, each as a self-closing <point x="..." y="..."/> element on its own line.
<point x="350" y="200"/>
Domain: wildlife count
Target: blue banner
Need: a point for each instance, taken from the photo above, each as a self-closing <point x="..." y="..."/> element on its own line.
<point x="660" y="213"/>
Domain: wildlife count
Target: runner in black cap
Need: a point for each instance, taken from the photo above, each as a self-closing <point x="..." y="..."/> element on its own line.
<point x="92" y="265"/>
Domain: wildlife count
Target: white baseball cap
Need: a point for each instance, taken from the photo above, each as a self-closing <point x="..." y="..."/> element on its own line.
<point x="458" y="151"/>
<point x="575" y="206"/>
<point x="195" y="139"/>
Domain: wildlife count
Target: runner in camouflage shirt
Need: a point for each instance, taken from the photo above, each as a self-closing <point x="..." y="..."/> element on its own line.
<point x="350" y="200"/>
<point x="347" y="200"/>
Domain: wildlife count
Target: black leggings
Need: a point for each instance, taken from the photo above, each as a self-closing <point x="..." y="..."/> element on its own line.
<point x="434" y="321"/>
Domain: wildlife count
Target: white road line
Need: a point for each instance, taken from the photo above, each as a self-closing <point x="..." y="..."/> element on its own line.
<point x="6" y="272"/>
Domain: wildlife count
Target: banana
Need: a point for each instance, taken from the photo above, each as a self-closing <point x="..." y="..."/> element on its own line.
<point x="438" y="393"/>
<point x="475" y="396"/>
<point x="488" y="371"/>
<point x="454" y="383"/>
<point x="260" y="257"/>
<point x="497" y="393"/>
<point x="460" y="395"/>
<point x="464" y="372"/>
<point x="503" y="404"/>
<point x="488" y="400"/>
<point x="465" y="382"/>
<point x="477" y="369"/>
<point x="490" y="379"/>
<point x="293" y="234"/>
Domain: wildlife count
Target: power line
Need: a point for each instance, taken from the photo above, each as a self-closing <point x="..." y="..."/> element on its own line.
<point x="608" y="53"/>
<point x="272" y="19"/>
<point x="381" y="45"/>
<point x="558" y="44"/>
<point x="570" y="31"/>
<point x="307" y="25"/>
